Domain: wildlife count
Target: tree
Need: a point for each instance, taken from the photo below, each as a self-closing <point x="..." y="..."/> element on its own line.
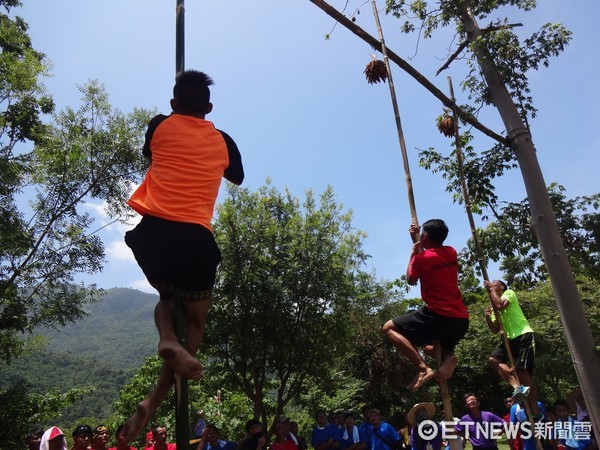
<point x="46" y="234"/>
<point x="506" y="89"/>
<point x="23" y="411"/>
<point x="290" y="283"/>
<point x="229" y="413"/>
<point x="510" y="239"/>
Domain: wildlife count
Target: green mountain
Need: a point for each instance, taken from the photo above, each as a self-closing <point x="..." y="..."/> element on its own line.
<point x="118" y="332"/>
<point x="102" y="350"/>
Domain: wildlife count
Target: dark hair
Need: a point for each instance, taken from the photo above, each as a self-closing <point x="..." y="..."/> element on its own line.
<point x="155" y="426"/>
<point x="436" y="230"/>
<point x="191" y="92"/>
<point x="251" y="423"/>
<point x="561" y="402"/>
<point x="34" y="434"/>
<point x="467" y="395"/>
<point x="214" y="427"/>
<point x="83" y="429"/>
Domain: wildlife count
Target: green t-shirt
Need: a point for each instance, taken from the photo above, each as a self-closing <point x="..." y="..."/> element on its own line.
<point x="514" y="321"/>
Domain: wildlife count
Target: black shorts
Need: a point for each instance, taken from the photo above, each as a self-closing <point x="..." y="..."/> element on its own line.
<point x="176" y="256"/>
<point x="423" y="326"/>
<point x="522" y="349"/>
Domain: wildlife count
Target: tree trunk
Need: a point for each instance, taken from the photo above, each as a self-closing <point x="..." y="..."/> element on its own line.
<point x="570" y="307"/>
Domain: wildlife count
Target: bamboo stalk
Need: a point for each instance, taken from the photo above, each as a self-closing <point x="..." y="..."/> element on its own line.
<point x="444" y="391"/>
<point x="182" y="413"/>
<point x="179" y="37"/>
<point x="407" y="176"/>
<point x="479" y="251"/>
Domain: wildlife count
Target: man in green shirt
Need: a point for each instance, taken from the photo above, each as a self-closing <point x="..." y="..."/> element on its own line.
<point x="521" y="341"/>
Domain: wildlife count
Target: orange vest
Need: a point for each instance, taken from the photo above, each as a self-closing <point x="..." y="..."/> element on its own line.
<point x="189" y="158"/>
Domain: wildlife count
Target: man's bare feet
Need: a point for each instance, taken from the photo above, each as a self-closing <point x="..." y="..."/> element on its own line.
<point x="180" y="360"/>
<point x="446" y="370"/>
<point x="138" y="421"/>
<point x="422" y="377"/>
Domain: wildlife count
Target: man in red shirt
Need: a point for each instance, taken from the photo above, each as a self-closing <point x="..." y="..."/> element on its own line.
<point x="444" y="317"/>
<point x="159" y="434"/>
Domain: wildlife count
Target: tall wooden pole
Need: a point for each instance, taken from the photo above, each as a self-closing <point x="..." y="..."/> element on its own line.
<point x="180" y="38"/>
<point x="409" y="187"/>
<point x="411" y="201"/>
<point x="182" y="412"/>
<point x="480" y="255"/>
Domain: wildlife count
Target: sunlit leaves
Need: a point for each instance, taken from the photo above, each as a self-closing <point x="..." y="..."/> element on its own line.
<point x="47" y="235"/>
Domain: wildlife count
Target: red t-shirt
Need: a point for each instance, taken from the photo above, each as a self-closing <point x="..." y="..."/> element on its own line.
<point x="169" y="447"/>
<point x="437" y="270"/>
<point x="285" y="445"/>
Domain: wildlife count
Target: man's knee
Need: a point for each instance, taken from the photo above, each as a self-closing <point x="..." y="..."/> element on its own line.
<point x="387" y="327"/>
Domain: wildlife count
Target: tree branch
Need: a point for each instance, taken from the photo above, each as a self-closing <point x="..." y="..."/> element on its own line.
<point x="373" y="42"/>
<point x="462" y="46"/>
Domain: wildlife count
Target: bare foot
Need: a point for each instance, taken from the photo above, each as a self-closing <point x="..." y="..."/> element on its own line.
<point x="180" y="360"/>
<point x="446" y="370"/>
<point x="138" y="421"/>
<point x="422" y="377"/>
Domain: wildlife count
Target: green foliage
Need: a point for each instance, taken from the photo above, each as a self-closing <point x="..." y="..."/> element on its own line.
<point x="479" y="170"/>
<point x="229" y="414"/>
<point x="498" y="49"/>
<point x="291" y="278"/>
<point x="515" y="59"/>
<point x="512" y="241"/>
<point x="88" y="355"/>
<point x="46" y="235"/>
<point x="23" y="410"/>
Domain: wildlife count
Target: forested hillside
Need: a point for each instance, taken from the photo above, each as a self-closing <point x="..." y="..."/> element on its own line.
<point x="103" y="350"/>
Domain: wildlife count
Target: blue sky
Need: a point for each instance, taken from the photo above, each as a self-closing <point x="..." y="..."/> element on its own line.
<point x="301" y="111"/>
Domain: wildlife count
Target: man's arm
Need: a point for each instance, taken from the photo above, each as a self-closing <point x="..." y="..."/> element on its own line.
<point x="411" y="277"/>
<point x="496" y="295"/>
<point x="235" y="172"/>
<point x="491" y="322"/>
<point x="152" y="125"/>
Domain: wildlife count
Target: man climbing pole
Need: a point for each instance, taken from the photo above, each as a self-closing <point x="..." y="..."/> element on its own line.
<point x="444" y="316"/>
<point x="521" y="341"/>
<point x="173" y="243"/>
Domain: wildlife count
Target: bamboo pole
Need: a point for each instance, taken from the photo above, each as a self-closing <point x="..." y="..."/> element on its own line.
<point x="407" y="176"/>
<point x="445" y="393"/>
<point x="179" y="37"/>
<point x="182" y="413"/>
<point x="479" y="250"/>
<point x="411" y="200"/>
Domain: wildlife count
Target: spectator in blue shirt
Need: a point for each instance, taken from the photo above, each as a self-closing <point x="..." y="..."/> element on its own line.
<point x="350" y="435"/>
<point x="383" y="436"/>
<point x="210" y="440"/>
<point x="324" y="435"/>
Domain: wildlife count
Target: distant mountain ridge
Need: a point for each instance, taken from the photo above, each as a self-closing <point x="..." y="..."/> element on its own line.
<point x="103" y="349"/>
<point x="119" y="330"/>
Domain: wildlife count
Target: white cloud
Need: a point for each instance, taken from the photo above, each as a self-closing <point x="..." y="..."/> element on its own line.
<point x="142" y="284"/>
<point x="117" y="250"/>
